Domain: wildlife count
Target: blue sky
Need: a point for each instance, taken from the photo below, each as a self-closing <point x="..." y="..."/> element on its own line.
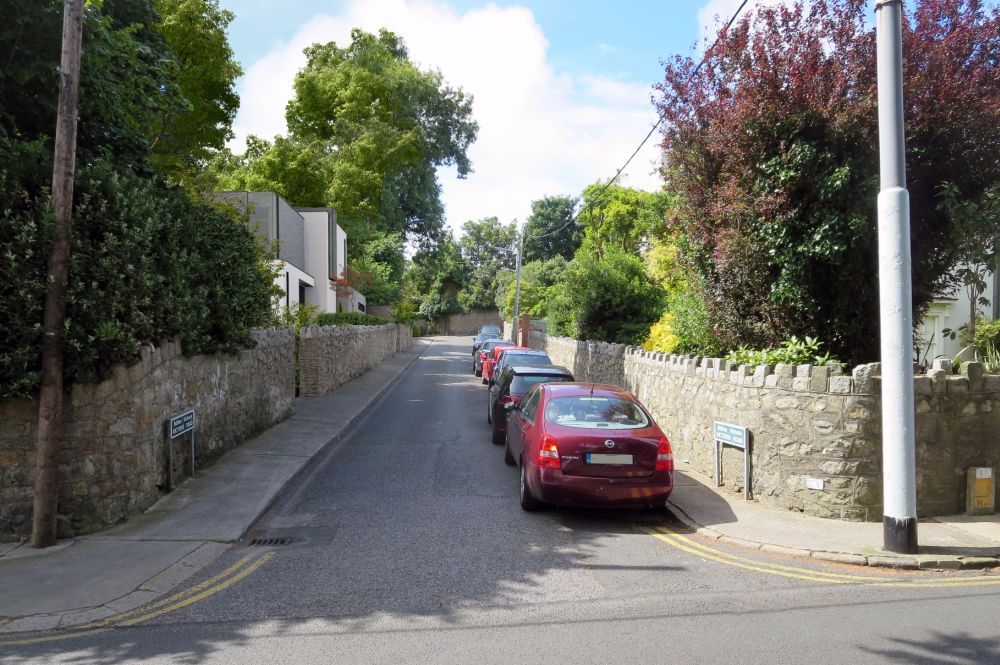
<point x="561" y="87"/>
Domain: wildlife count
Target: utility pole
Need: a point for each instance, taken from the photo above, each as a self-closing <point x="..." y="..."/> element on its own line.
<point x="517" y="286"/>
<point x="50" y="399"/>
<point x="899" y="473"/>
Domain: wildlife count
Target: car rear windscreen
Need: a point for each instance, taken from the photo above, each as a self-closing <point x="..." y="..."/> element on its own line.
<point x="531" y="360"/>
<point x="592" y="411"/>
<point x="521" y="382"/>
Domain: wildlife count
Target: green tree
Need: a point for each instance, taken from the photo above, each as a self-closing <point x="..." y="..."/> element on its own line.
<point x="538" y="281"/>
<point x="550" y="230"/>
<point x="205" y="72"/>
<point x="487" y="248"/>
<point x="607" y="297"/>
<point x="621" y="216"/>
<point x="769" y="149"/>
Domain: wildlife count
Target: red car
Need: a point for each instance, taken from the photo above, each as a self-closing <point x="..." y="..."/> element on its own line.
<point x="490" y="363"/>
<point x="587" y="444"/>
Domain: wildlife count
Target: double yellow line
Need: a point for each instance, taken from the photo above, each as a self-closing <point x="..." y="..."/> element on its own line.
<point x="228" y="577"/>
<point x="703" y="551"/>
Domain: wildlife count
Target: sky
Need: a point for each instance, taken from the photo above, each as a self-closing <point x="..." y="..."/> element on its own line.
<point x="561" y="88"/>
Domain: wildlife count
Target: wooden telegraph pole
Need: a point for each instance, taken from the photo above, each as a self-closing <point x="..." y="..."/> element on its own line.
<point x="50" y="399"/>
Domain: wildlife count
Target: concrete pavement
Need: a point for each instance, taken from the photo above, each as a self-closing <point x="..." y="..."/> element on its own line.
<point x="96" y="576"/>
<point x="951" y="542"/>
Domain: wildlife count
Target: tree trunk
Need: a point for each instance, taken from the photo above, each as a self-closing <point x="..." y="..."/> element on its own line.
<point x="50" y="399"/>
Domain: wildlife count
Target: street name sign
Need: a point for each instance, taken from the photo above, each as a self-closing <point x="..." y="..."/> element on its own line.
<point x="734" y="436"/>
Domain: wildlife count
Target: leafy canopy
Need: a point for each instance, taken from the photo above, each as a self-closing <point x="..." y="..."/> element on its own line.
<point x="770" y="150"/>
<point x="550" y="230"/>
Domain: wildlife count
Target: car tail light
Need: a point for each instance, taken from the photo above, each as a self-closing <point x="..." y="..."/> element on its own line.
<point x="664" y="456"/>
<point x="548" y="453"/>
<point x="508" y="399"/>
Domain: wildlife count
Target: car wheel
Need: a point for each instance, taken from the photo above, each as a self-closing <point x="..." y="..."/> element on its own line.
<point x="479" y="372"/>
<point x="498" y="437"/>
<point x="508" y="459"/>
<point x="528" y="502"/>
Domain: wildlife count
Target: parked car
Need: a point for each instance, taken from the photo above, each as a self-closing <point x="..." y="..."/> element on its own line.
<point x="486" y="353"/>
<point x="517" y="356"/>
<point x="490" y="363"/>
<point x="478" y="340"/>
<point x="510" y="385"/>
<point x="589" y="445"/>
<point x="490" y="329"/>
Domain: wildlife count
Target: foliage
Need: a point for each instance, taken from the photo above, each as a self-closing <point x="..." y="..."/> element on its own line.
<point x="988" y="336"/>
<point x="297" y="316"/>
<point x="662" y="335"/>
<point x="348" y="319"/>
<point x="487" y="248"/>
<point x="367" y="129"/>
<point x="605" y="298"/>
<point x="769" y="150"/>
<point x="438" y="306"/>
<point x="147" y="264"/>
<point x="991" y="360"/>
<point x="404" y="312"/>
<point x="621" y="216"/>
<point x="205" y="71"/>
<point x="436" y="274"/>
<point x="979" y="221"/>
<point x="127" y="78"/>
<point x="538" y="282"/>
<point x="550" y="230"/>
<point x="793" y="351"/>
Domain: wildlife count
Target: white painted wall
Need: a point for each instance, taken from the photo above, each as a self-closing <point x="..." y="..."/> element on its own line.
<point x="317" y="225"/>
<point x="288" y="281"/>
<point x="951" y="312"/>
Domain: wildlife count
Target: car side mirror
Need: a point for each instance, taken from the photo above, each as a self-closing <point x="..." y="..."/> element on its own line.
<point x="509" y="406"/>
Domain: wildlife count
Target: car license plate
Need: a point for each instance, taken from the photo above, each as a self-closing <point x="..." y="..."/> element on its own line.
<point x="599" y="458"/>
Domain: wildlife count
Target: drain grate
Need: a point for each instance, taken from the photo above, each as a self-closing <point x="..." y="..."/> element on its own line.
<point x="271" y="542"/>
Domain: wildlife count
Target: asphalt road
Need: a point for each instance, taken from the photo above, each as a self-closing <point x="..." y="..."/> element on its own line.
<point x="408" y="546"/>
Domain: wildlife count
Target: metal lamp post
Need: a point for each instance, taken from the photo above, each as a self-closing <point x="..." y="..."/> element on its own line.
<point x="899" y="514"/>
<point x="517" y="286"/>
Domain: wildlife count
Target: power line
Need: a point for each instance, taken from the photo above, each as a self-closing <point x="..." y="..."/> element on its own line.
<point x="648" y="134"/>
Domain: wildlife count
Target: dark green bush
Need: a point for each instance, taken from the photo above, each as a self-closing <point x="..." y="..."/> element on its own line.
<point x="146" y="264"/>
<point x="607" y="298"/>
<point x="348" y="319"/>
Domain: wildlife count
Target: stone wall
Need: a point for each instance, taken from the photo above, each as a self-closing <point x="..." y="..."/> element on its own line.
<point x="806" y="422"/>
<point x="469" y="323"/>
<point x="331" y="356"/>
<point x="115" y="458"/>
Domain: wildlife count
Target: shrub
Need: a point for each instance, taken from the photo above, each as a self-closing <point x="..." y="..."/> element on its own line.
<point x="606" y="298"/>
<point x="348" y="319"/>
<point x="404" y="312"/>
<point x="662" y="335"/>
<point x="146" y="264"/>
<point x="297" y="316"/>
<point x="793" y="351"/>
<point x="988" y="336"/>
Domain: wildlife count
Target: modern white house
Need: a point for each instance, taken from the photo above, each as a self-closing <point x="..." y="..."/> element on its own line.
<point x="310" y="249"/>
<point x="951" y="312"/>
<point x="326" y="254"/>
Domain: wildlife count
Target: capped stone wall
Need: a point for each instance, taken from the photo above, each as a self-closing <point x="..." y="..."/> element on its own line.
<point x="807" y="422"/>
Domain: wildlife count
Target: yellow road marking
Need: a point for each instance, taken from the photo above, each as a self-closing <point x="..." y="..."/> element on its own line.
<point x="688" y="545"/>
<point x="196" y="593"/>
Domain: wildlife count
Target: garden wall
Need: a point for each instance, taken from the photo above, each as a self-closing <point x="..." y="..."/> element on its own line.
<point x="806" y="422"/>
<point x="330" y="356"/>
<point x="114" y="459"/>
<point x="470" y="322"/>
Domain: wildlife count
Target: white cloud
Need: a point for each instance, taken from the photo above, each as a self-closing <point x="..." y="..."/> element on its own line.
<point x="606" y="49"/>
<point x="541" y="131"/>
<point x="716" y="13"/>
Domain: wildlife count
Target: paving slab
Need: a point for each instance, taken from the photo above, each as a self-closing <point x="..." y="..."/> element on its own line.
<point x="87" y="574"/>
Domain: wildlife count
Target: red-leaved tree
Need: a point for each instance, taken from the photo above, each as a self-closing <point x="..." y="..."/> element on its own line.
<point x="772" y="148"/>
